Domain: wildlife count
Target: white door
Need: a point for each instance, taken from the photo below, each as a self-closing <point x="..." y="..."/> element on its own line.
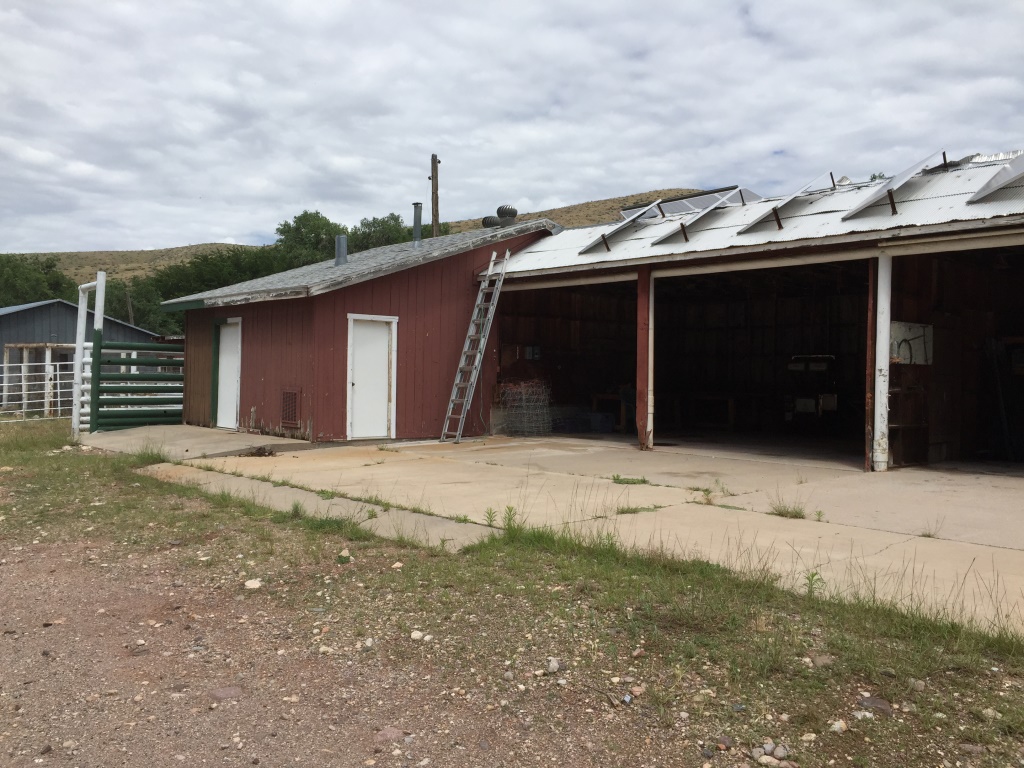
<point x="370" y="377"/>
<point x="229" y="373"/>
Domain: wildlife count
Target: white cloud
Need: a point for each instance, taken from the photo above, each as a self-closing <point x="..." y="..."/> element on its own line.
<point x="132" y="123"/>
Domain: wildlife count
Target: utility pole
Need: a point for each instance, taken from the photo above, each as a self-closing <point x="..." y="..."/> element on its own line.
<point x="435" y="220"/>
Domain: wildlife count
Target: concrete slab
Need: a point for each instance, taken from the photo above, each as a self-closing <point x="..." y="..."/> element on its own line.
<point x="384" y="521"/>
<point x="452" y="488"/>
<point x="182" y="441"/>
<point x="960" y="503"/>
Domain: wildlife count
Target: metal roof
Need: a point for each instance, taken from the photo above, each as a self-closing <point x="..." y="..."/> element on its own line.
<point x="324" y="276"/>
<point x="932" y="199"/>
<point x="23" y="307"/>
<point x="32" y="305"/>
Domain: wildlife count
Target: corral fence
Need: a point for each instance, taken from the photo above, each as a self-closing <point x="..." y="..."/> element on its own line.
<point x="133" y="384"/>
<point x="38" y="381"/>
<point x="122" y="384"/>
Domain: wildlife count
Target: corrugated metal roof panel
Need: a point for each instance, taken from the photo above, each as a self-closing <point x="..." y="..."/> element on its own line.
<point x="933" y="197"/>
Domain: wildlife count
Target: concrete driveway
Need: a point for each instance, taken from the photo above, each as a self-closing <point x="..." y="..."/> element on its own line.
<point x="948" y="538"/>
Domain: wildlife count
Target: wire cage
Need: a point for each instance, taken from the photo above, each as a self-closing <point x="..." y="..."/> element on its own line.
<point x="527" y="407"/>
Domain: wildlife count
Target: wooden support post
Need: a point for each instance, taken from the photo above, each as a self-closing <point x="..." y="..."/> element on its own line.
<point x="645" y="358"/>
<point x="435" y="212"/>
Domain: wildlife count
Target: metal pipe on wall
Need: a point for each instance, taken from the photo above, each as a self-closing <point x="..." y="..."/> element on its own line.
<point x="417" y="224"/>
<point x="340" y="250"/>
<point x="883" y="319"/>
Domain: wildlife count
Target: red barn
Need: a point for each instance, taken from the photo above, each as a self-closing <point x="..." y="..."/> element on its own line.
<point x="358" y="350"/>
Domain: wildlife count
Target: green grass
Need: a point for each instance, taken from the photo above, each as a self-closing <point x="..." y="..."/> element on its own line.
<point x="794" y="509"/>
<point x="635" y="510"/>
<point x="620" y="480"/>
<point x="791" y="511"/>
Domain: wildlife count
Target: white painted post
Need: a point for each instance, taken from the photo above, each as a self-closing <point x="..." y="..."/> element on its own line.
<point x="48" y="382"/>
<point x="101" y="297"/>
<point x="883" y="320"/>
<point x="83" y="321"/>
<point x="7" y="376"/>
<point x="650" y="366"/>
<point x="24" y="382"/>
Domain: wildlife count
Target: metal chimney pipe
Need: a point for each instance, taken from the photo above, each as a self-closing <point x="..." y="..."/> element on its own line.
<point x="340" y="250"/>
<point x="417" y="223"/>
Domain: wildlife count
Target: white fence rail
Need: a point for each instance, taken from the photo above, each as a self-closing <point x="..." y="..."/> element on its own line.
<point x="37" y="390"/>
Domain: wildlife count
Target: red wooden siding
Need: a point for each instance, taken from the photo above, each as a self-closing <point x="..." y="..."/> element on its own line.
<point x="198" y="368"/>
<point x="277" y="349"/>
<point x="303" y="344"/>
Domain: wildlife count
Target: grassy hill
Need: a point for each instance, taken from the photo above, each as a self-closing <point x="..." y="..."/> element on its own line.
<point x="82" y="266"/>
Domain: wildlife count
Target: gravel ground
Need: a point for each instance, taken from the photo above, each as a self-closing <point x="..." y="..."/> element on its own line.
<point x="122" y="659"/>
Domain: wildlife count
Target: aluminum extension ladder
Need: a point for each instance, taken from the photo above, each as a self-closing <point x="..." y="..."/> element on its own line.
<point x="473" y="350"/>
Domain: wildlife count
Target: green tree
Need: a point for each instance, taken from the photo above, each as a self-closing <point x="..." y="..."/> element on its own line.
<point x="310" y="232"/>
<point x="385" y="230"/>
<point x="375" y="232"/>
<point x="24" y="279"/>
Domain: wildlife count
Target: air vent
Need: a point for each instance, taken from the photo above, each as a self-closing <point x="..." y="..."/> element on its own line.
<point x="290" y="408"/>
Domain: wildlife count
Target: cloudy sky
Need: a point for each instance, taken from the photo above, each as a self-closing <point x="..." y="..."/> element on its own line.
<point x="131" y="124"/>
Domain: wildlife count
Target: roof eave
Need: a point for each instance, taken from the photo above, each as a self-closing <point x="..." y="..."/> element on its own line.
<point x="233" y="299"/>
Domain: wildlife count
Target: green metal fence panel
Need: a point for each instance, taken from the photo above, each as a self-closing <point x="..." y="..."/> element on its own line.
<point x="115" y="402"/>
<point x="121" y="399"/>
<point x="136" y="346"/>
<point x="161" y="376"/>
<point x="134" y="362"/>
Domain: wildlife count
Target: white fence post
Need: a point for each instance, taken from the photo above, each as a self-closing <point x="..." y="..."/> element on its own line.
<point x="7" y="374"/>
<point x="99" y="285"/>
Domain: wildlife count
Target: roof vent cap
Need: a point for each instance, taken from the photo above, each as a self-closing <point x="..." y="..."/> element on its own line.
<point x="506" y="216"/>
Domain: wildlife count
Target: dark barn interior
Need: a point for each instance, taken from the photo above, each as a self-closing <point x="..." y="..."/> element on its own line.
<point x="582" y="342"/>
<point x="775" y="352"/>
<point x="782" y="355"/>
<point x="968" y="401"/>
